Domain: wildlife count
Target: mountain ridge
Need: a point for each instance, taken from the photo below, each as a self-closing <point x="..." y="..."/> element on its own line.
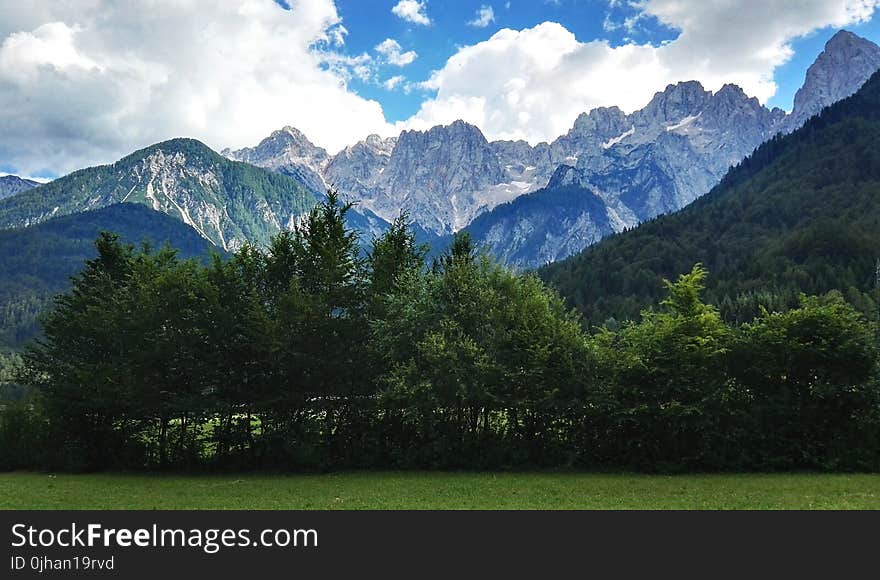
<point x="801" y="214"/>
<point x="227" y="202"/>
<point x="13" y="184"/>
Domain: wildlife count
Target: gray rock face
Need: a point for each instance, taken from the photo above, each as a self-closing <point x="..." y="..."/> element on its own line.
<point x="439" y="176"/>
<point x="839" y="71"/>
<point x="289" y="152"/>
<point x="356" y="170"/>
<point x="13" y="184"/>
<point x="443" y="177"/>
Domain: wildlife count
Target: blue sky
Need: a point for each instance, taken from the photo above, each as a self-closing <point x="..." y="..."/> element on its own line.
<point x="84" y="82"/>
<point x="369" y="23"/>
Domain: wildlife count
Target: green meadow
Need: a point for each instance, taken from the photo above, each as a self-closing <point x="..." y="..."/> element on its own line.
<point x="433" y="490"/>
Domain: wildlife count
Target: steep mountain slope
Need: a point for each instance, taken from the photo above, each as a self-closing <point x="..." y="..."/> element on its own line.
<point x="847" y="61"/>
<point x="802" y="214"/>
<point x="227" y="202"/>
<point x="37" y="262"/>
<point x="12" y="184"/>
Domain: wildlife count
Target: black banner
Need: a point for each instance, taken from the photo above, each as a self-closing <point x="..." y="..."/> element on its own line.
<point x="128" y="544"/>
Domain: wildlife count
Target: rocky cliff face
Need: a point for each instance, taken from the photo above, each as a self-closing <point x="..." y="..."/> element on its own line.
<point x="440" y="176"/>
<point x="356" y="170"/>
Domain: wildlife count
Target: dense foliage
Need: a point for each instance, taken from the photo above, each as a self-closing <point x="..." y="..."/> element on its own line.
<point x="802" y="214"/>
<point x="309" y="355"/>
<point x="36" y="263"/>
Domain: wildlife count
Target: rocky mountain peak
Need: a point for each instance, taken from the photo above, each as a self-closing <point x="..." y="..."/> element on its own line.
<point x="564" y="175"/>
<point x="290" y="152"/>
<point x="730" y="107"/>
<point x="676" y="102"/>
<point x="840" y="70"/>
<point x="292" y="132"/>
<point x="378" y="144"/>
<point x="602" y="123"/>
<point x="844" y="40"/>
<point x="457" y="130"/>
<point x="732" y="92"/>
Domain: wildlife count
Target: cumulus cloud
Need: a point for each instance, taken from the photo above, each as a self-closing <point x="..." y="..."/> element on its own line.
<point x="394" y="82"/>
<point x="531" y="84"/>
<point x="414" y="11"/>
<point x="484" y="17"/>
<point x="87" y="81"/>
<point x="393" y="53"/>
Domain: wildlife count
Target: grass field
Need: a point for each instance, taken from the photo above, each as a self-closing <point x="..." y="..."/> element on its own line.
<point x="440" y="491"/>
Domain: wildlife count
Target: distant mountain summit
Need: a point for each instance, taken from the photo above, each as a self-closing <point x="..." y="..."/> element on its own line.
<point x="839" y="71"/>
<point x="289" y="152"/>
<point x="227" y="202"/>
<point x="13" y="184"/>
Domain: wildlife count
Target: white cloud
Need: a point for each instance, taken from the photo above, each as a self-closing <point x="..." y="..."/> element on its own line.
<point x="393" y="53"/>
<point x="484" y="17"/>
<point x="394" y="82"/>
<point x="531" y="84"/>
<point x="414" y="11"/>
<point x="87" y="81"/>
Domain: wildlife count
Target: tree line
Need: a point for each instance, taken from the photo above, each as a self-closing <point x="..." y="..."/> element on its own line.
<point x="311" y="354"/>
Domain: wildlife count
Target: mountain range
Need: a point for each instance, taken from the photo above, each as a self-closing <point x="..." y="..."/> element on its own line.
<point x="527" y="204"/>
<point x="799" y="215"/>
<point x="530" y="205"/>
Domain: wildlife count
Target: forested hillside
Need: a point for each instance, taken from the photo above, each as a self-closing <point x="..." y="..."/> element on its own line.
<point x="802" y="214"/>
<point x="306" y="355"/>
<point x="37" y="262"/>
